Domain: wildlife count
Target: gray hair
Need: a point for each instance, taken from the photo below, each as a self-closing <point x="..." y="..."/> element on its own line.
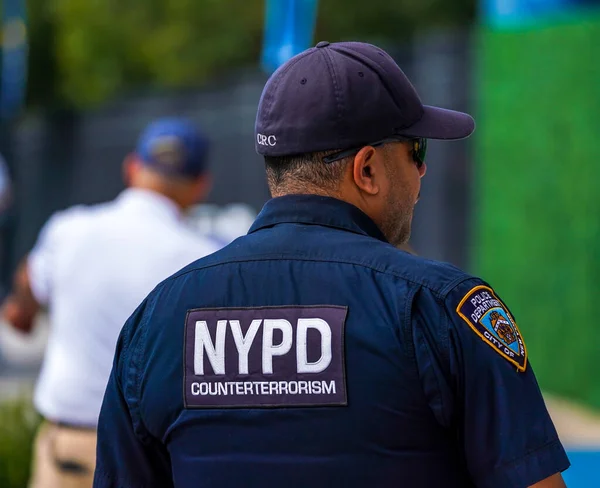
<point x="304" y="173"/>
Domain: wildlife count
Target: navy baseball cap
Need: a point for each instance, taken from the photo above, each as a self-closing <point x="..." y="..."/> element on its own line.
<point x="338" y="96"/>
<point x="174" y="146"/>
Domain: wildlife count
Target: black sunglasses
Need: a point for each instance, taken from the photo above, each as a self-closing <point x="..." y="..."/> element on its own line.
<point x="418" y="153"/>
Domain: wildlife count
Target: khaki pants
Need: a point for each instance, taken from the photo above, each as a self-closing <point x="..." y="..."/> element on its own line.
<point x="64" y="457"/>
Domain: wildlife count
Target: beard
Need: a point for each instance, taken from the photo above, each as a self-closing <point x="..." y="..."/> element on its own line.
<point x="399" y="209"/>
<point x="396" y="223"/>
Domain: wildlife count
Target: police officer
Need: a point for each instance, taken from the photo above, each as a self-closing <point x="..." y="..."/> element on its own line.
<point x="313" y="352"/>
<point x="91" y="266"/>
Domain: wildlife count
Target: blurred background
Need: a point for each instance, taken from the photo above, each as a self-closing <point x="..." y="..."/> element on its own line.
<point x="518" y="203"/>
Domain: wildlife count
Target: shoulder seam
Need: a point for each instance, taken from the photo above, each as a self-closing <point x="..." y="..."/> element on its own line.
<point x="454" y="283"/>
<point x="277" y="257"/>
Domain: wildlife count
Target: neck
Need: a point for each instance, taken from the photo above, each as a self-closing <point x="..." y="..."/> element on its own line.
<point x="161" y="190"/>
<point x="370" y="210"/>
<point x="176" y="190"/>
<point x="305" y="190"/>
<point x="352" y="199"/>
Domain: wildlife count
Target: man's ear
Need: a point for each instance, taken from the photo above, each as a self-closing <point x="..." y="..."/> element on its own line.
<point x="367" y="170"/>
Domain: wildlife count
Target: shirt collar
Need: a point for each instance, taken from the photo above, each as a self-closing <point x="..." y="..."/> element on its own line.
<point x="150" y="201"/>
<point x="316" y="210"/>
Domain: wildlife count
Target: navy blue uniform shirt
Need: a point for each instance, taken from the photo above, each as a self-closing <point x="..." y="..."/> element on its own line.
<point x="312" y="353"/>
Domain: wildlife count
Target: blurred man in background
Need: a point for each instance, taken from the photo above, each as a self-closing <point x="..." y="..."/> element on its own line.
<point x="91" y="266"/>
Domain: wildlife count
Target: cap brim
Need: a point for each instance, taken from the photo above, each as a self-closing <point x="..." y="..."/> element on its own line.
<point x="440" y="123"/>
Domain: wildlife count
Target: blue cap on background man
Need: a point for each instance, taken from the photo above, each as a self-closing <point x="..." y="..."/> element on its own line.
<point x="174" y="146"/>
<point x="338" y="96"/>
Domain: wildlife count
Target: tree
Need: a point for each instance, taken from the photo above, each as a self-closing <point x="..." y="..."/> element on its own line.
<point x="84" y="52"/>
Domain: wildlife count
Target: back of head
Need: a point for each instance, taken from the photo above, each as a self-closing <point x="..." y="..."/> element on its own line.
<point x="343" y="120"/>
<point x="337" y="97"/>
<point x="171" y="158"/>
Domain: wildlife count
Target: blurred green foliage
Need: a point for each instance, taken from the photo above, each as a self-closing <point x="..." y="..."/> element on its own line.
<point x="85" y="51"/>
<point x="538" y="225"/>
<point x="18" y="426"/>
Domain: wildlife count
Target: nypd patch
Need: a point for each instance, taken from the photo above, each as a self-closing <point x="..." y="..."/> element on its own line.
<point x="490" y="319"/>
<point x="261" y="357"/>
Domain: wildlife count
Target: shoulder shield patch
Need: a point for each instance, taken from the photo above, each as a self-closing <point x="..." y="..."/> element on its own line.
<point x="490" y="319"/>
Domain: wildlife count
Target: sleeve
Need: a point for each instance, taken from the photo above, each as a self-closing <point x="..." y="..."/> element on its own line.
<point x="40" y="260"/>
<point x="476" y="375"/>
<point x="127" y="455"/>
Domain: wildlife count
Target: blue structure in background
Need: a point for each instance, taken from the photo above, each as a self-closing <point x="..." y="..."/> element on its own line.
<point x="289" y="30"/>
<point x="14" y="58"/>
<point x="585" y="469"/>
<point x="508" y="13"/>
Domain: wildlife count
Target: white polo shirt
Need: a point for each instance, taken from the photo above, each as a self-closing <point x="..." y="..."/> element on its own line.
<point x="92" y="266"/>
